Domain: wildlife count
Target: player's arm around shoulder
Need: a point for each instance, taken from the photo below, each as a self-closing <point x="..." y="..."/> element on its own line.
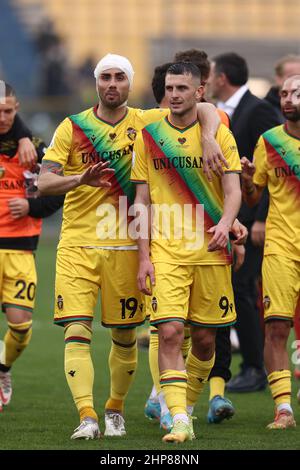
<point x="231" y="178"/>
<point x="213" y="159"/>
<point x="143" y="117"/>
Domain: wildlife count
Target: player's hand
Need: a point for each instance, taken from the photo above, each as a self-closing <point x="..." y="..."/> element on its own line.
<point x="238" y="252"/>
<point x="27" y="153"/>
<point x="213" y="159"/>
<point x="258" y="232"/>
<point x="97" y="175"/>
<point x="248" y="169"/>
<point x="19" y="207"/>
<point x="220" y="236"/>
<point x="240" y="233"/>
<point x="146" y="272"/>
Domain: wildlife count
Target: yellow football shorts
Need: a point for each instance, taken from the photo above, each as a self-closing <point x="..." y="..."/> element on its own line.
<point x="81" y="272"/>
<point x="17" y="279"/>
<point x="199" y="295"/>
<point x="281" y="287"/>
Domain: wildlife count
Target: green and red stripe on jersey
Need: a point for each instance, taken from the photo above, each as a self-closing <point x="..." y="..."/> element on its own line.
<point x="89" y="133"/>
<point x="283" y="151"/>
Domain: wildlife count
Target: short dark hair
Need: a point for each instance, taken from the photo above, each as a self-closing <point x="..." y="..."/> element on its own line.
<point x="158" y="81"/>
<point x="233" y="66"/>
<point x="182" y="68"/>
<point x="197" y="57"/>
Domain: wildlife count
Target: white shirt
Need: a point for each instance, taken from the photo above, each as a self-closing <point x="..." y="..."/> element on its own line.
<point x="231" y="104"/>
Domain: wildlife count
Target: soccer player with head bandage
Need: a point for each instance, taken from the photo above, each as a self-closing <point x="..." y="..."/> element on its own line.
<point x="90" y="160"/>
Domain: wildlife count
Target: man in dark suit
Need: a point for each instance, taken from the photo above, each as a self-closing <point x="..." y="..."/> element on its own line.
<point x="250" y="117"/>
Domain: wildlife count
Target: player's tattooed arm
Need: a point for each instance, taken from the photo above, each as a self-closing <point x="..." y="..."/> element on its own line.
<point x="52" y="167"/>
<point x="52" y="182"/>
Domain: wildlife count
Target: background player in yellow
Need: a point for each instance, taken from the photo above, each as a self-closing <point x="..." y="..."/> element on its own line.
<point x="190" y="274"/>
<point x="95" y="250"/>
<point x="277" y="166"/>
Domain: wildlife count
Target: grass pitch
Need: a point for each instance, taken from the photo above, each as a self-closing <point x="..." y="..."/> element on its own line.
<point x="42" y="415"/>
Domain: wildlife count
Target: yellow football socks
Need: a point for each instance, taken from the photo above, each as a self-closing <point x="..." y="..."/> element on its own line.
<point x="16" y="340"/>
<point x="87" y="412"/>
<point x="174" y="384"/>
<point x="79" y="368"/>
<point x="122" y="364"/>
<point x="280" y="385"/>
<point x="153" y="359"/>
<point x="216" y="387"/>
<point x="198" y="372"/>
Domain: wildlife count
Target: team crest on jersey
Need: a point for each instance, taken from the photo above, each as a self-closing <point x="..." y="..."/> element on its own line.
<point x="60" y="302"/>
<point x="161" y="142"/>
<point x="131" y="133"/>
<point x="182" y="140"/>
<point x="154" y="304"/>
<point x="2" y="171"/>
<point x="266" y="302"/>
<point x="93" y="138"/>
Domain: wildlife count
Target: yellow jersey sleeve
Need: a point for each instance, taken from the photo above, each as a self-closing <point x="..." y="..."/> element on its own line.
<point x="260" y="161"/>
<point x="147" y="116"/>
<point x="61" y="143"/>
<point x="139" y="170"/>
<point x="229" y="148"/>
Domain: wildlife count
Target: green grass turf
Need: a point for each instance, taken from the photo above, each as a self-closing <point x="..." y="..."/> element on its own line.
<point x="42" y="415"/>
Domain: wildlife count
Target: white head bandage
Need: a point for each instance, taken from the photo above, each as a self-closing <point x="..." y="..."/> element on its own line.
<point x="114" y="61"/>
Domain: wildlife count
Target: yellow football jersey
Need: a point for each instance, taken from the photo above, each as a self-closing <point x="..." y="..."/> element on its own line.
<point x="184" y="203"/>
<point x="277" y="162"/>
<point x="98" y="216"/>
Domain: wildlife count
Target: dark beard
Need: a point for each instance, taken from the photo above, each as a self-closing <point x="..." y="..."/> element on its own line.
<point x="111" y="105"/>
<point x="292" y="116"/>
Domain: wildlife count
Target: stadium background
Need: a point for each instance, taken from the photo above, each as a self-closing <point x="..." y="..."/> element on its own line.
<point x="47" y="52"/>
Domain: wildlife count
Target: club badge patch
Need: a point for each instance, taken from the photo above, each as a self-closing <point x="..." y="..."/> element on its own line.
<point x="266" y="302"/>
<point x="131" y="133"/>
<point x="154" y="304"/>
<point x="60" y="302"/>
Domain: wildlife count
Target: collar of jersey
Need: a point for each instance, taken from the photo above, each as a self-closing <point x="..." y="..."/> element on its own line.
<point x="181" y="129"/>
<point x="107" y="122"/>
<point x="285" y="128"/>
